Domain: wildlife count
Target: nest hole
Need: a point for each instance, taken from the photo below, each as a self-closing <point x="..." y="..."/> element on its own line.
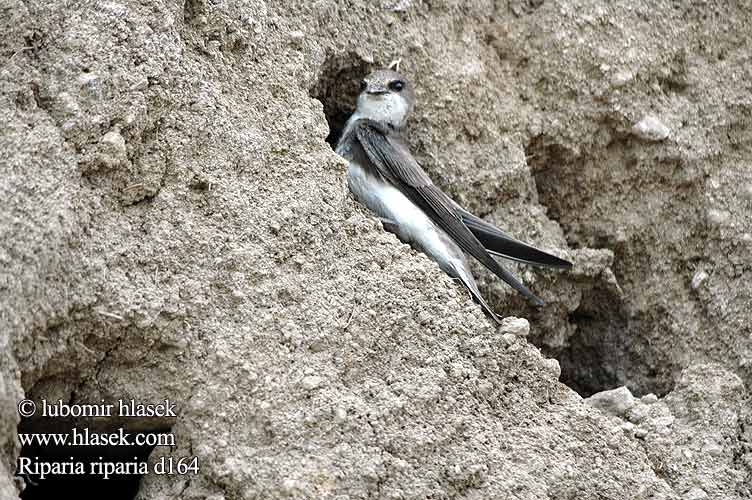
<point x="604" y="352"/>
<point x="337" y="88"/>
<point x="593" y="361"/>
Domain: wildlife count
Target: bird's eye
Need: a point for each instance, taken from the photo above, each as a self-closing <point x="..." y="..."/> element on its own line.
<point x="397" y="85"/>
<point x="363" y="85"/>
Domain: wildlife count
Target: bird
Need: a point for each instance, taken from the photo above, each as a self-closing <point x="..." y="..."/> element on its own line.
<point x="383" y="175"/>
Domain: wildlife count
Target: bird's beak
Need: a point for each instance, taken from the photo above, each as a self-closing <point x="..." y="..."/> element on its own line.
<point x="376" y="89"/>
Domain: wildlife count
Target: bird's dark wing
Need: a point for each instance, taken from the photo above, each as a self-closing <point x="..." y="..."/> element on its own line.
<point x="499" y="243"/>
<point x="395" y="163"/>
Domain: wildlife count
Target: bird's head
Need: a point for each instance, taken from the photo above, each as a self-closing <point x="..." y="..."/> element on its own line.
<point x="386" y="97"/>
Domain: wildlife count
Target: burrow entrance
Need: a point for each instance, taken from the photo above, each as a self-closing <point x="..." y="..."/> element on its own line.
<point x="611" y="346"/>
<point x="593" y="359"/>
<point x="337" y="88"/>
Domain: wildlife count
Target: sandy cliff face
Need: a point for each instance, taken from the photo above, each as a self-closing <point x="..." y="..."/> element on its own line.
<point x="175" y="225"/>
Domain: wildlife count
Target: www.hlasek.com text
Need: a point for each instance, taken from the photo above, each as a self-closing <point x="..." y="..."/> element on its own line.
<point x="84" y="437"/>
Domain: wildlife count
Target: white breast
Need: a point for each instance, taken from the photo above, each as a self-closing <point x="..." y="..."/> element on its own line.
<point x="413" y="225"/>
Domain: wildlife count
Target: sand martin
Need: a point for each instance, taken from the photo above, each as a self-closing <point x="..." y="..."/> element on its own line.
<point x="384" y="176"/>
